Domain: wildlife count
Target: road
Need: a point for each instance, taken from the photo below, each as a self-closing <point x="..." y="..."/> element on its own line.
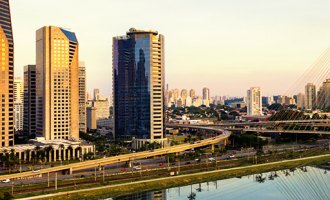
<point x="121" y="158"/>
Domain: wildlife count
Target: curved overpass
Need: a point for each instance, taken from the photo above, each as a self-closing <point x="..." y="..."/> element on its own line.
<point x="223" y="137"/>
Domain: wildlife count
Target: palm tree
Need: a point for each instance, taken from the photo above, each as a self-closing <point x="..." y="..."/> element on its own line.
<point x="70" y="150"/>
<point x="61" y="148"/>
<point x="79" y="150"/>
<point x="48" y="150"/>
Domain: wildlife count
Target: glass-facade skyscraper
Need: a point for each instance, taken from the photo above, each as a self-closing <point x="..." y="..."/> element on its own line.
<point x="6" y="76"/>
<point x="138" y="86"/>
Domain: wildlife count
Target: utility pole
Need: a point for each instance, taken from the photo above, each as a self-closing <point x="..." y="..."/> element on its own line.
<point x="94" y="173"/>
<point x="48" y="179"/>
<point x="103" y="174"/>
<point x="12" y="188"/>
<point x="56" y="181"/>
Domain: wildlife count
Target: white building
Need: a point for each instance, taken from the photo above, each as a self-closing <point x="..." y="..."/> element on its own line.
<point x="254" y="101"/>
<point x="19" y="103"/>
<point x="310" y="96"/>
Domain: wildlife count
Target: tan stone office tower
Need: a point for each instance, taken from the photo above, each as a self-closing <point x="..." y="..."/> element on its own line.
<point x="6" y="76"/>
<point x="57" y="84"/>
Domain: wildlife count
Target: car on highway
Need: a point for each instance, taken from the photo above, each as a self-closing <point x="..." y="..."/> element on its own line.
<point x="212" y="159"/>
<point x="232" y="156"/>
<point x="137" y="167"/>
<point x="6" y="181"/>
<point x="198" y="160"/>
<point x="35" y="171"/>
<point x="161" y="164"/>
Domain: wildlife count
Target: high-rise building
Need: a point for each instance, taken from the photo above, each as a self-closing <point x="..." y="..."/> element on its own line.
<point x="323" y="97"/>
<point x="184" y="93"/>
<point x="310" y="96"/>
<point x="138" y="70"/>
<point x="254" y="101"/>
<point x="206" y="94"/>
<point x="82" y="97"/>
<point x="6" y="76"/>
<point x="192" y="93"/>
<point x="300" y="100"/>
<point x="175" y="94"/>
<point x="58" y="83"/>
<point x="96" y="94"/>
<point x="30" y="117"/>
<point x="91" y="118"/>
<point x="102" y="108"/>
<point x="18" y="103"/>
<point x="206" y="97"/>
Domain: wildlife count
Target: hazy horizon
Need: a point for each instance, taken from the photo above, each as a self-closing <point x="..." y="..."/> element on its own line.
<point x="227" y="46"/>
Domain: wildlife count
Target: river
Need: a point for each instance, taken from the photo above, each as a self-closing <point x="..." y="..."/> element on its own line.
<point x="302" y="183"/>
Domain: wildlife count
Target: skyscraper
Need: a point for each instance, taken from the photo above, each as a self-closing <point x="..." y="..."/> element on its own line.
<point x="192" y="93"/>
<point x="206" y="97"/>
<point x="323" y="97"/>
<point x="138" y="70"/>
<point x="254" y="102"/>
<point x="82" y="97"/>
<point x="58" y="84"/>
<point x="30" y="117"/>
<point x="96" y="93"/>
<point x="6" y="76"/>
<point x="18" y="103"/>
<point x="310" y="96"/>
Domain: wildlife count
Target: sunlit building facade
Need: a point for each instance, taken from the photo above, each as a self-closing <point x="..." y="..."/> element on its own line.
<point x="6" y="76"/>
<point x="254" y="101"/>
<point x="58" y="85"/>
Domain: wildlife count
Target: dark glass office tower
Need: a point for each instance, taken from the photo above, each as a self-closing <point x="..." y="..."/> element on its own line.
<point x="138" y="85"/>
<point x="30" y="107"/>
<point x="6" y="76"/>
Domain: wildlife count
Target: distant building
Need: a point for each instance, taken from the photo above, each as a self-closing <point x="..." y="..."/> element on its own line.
<point x="192" y="93"/>
<point x="18" y="103"/>
<point x="91" y="118"/>
<point x="57" y="83"/>
<point x="323" y="100"/>
<point x="254" y="102"/>
<point x="82" y="97"/>
<point x="138" y="83"/>
<point x="96" y="93"/>
<point x="301" y="101"/>
<point x="310" y="96"/>
<point x="102" y="108"/>
<point x="30" y="106"/>
<point x="206" y="97"/>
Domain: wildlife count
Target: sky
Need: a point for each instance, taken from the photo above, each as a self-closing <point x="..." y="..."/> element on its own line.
<point x="225" y="45"/>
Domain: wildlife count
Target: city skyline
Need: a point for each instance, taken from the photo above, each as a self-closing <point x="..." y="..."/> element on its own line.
<point x="259" y="49"/>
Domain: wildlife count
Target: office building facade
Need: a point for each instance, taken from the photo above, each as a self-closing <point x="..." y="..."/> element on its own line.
<point x="138" y="86"/>
<point x="30" y="107"/>
<point x="310" y="96"/>
<point x="82" y="97"/>
<point x="6" y="76"/>
<point x="254" y="101"/>
<point x="58" y="84"/>
<point x="18" y="104"/>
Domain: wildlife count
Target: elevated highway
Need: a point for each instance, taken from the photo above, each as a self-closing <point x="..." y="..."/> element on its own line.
<point x="222" y="138"/>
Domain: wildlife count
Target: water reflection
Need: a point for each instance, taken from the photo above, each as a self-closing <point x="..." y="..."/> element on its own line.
<point x="300" y="183"/>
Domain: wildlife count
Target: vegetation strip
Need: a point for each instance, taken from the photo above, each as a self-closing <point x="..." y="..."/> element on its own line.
<point x="160" y="183"/>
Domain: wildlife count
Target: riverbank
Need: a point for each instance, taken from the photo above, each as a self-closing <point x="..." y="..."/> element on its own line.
<point x="167" y="182"/>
